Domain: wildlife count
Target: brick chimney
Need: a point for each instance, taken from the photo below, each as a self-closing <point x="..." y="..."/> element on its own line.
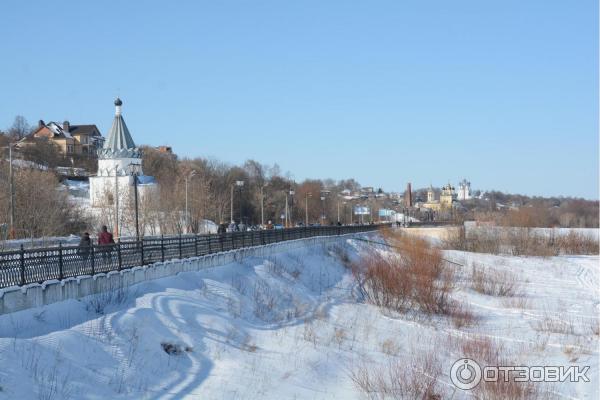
<point x="66" y="126"/>
<point x="41" y="123"/>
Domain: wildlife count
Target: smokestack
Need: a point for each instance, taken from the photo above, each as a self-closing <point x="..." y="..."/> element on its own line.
<point x="408" y="202"/>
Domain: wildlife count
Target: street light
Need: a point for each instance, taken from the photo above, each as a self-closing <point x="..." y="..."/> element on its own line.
<point x="262" y="205"/>
<point x="187" y="215"/>
<point x="134" y="173"/>
<point x="288" y="211"/>
<point x="239" y="184"/>
<point x="308" y="194"/>
<point x="322" y="209"/>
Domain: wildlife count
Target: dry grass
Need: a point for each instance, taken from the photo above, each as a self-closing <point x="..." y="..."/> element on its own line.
<point x="523" y="242"/>
<point x="516" y="302"/>
<point x="492" y="282"/>
<point x="462" y="315"/>
<point x="557" y="325"/>
<point x="489" y="352"/>
<point x="390" y="347"/>
<point x="416" y="379"/>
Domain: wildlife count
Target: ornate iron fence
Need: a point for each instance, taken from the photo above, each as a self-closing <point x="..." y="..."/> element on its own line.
<point x="20" y="267"/>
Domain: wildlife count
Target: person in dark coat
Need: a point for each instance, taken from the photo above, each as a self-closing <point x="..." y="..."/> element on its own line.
<point x="85" y="245"/>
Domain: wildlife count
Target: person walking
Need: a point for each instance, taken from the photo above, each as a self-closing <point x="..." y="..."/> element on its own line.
<point x="85" y="246"/>
<point x="105" y="239"/>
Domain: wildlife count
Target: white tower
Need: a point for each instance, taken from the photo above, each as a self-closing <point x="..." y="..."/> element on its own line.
<point x="464" y="190"/>
<point x="118" y="161"/>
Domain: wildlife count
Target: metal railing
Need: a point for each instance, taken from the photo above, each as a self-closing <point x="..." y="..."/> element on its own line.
<point x="20" y="267"/>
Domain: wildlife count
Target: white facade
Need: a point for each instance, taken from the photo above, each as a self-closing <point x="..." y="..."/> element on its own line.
<point x="464" y="190"/>
<point x="118" y="161"/>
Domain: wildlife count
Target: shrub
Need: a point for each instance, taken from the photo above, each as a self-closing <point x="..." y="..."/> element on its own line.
<point x="414" y="277"/>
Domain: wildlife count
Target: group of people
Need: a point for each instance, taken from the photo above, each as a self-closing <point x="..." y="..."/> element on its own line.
<point x="105" y="238"/>
<point x="241" y="227"/>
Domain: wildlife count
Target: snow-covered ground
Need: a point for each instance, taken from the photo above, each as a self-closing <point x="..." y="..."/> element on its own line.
<point x="290" y="327"/>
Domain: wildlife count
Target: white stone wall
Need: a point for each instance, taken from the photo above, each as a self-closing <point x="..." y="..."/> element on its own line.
<point x="102" y="186"/>
<point x="37" y="295"/>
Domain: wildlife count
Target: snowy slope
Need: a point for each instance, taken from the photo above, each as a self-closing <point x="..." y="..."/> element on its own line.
<point x="286" y="327"/>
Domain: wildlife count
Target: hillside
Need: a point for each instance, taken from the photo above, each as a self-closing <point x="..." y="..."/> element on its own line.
<point x="293" y="326"/>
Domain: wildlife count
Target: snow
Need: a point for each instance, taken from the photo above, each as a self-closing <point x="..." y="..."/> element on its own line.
<point x="284" y="327"/>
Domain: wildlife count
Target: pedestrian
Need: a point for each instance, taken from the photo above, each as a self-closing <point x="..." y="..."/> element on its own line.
<point x="105" y="239"/>
<point x="222" y="228"/>
<point x="85" y="246"/>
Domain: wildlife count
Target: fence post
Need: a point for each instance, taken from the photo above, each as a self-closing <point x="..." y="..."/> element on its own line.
<point x="60" y="262"/>
<point x="232" y="240"/>
<point x="93" y="259"/>
<point x="119" y="254"/>
<point x="208" y="242"/>
<point x="180" y="250"/>
<point x="22" y="260"/>
<point x="162" y="248"/>
<point x="196" y="245"/>
<point x="142" y="250"/>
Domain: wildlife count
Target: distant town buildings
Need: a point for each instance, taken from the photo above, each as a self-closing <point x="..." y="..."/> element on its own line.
<point x="464" y="190"/>
<point x="70" y="139"/>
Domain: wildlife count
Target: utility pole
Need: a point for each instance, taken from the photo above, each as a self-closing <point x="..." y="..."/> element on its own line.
<point x="12" y="193"/>
<point x="187" y="214"/>
<point x="262" y="206"/>
<point x="231" y="205"/>
<point x="308" y="194"/>
<point x="116" y="202"/>
<point x="135" y="194"/>
<point x="286" y="209"/>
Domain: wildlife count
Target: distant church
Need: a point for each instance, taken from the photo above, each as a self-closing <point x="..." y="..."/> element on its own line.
<point x="446" y="201"/>
<point x="464" y="190"/>
<point x="118" y="161"/>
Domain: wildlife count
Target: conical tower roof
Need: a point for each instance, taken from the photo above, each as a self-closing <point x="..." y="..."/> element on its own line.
<point x="119" y="143"/>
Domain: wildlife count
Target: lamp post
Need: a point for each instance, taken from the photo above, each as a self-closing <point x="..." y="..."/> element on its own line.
<point x="322" y="209"/>
<point x="134" y="174"/>
<point x="135" y="194"/>
<point x="308" y="194"/>
<point x="116" y="201"/>
<point x="11" y="188"/>
<point x="240" y="185"/>
<point x="187" y="214"/>
<point x="291" y="192"/>
<point x="262" y="205"/>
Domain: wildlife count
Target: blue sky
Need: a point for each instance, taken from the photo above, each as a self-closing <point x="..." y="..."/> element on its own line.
<point x="503" y="93"/>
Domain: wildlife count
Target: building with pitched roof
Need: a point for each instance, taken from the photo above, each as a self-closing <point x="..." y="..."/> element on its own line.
<point x="119" y="161"/>
<point x="82" y="140"/>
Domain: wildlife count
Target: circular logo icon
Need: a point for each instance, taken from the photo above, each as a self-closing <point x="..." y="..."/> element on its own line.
<point x="465" y="374"/>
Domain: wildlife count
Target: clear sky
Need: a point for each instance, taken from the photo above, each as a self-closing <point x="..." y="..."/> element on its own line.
<point x="503" y="93"/>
